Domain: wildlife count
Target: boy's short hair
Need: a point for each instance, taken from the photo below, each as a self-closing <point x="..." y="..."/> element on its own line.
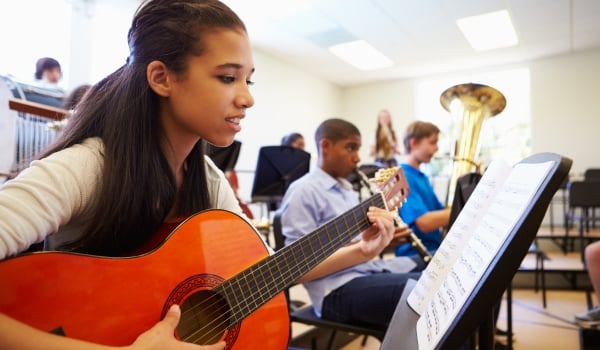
<point x="419" y="130"/>
<point x="335" y="129"/>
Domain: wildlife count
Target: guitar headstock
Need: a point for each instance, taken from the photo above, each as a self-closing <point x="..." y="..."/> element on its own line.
<point x="391" y="182"/>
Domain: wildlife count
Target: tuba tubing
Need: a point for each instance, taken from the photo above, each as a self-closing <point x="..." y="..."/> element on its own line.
<point x="470" y="104"/>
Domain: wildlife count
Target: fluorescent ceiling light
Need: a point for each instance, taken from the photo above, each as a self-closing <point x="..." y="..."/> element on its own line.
<point x="361" y="54"/>
<point x="489" y="31"/>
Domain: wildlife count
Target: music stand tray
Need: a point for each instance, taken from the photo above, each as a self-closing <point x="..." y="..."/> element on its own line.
<point x="277" y="167"/>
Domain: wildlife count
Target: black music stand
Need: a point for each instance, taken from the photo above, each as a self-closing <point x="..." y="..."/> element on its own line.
<point x="277" y="167"/>
<point x="495" y="280"/>
<point x="224" y="158"/>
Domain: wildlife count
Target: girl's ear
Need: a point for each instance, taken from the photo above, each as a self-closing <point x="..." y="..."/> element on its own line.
<point x="158" y="78"/>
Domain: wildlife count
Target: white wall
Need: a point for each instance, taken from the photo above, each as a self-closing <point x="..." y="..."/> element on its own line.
<point x="287" y="99"/>
<point x="565" y="103"/>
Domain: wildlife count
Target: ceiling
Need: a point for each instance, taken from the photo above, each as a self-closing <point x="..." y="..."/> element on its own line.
<point x="420" y="36"/>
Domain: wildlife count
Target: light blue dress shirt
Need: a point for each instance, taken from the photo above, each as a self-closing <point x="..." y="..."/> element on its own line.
<point x="312" y="201"/>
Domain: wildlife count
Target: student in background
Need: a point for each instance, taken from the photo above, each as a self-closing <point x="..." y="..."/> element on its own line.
<point x="48" y="71"/>
<point x="422" y="211"/>
<point x="132" y="160"/>
<point x="384" y="146"/>
<point x="48" y="74"/>
<point x="294" y="139"/>
<point x="45" y="88"/>
<point x="353" y="285"/>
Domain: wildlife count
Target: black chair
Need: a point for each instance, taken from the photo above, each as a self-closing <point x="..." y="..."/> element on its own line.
<point x="368" y="170"/>
<point x="591" y="174"/>
<point x="303" y="313"/>
<point x="583" y="197"/>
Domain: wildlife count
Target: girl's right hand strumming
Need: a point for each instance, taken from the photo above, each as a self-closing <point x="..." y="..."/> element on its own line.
<point x="161" y="336"/>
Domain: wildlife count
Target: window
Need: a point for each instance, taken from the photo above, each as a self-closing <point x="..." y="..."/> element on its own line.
<point x="63" y="29"/>
<point x="32" y="29"/>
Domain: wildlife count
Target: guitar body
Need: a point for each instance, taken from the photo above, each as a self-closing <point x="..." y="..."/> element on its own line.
<point x="113" y="300"/>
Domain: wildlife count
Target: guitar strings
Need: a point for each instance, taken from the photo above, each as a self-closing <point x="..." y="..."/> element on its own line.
<point x="214" y="299"/>
<point x="222" y="325"/>
<point x="204" y="330"/>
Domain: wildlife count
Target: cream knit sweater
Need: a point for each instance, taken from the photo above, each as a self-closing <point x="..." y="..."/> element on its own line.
<point x="55" y="196"/>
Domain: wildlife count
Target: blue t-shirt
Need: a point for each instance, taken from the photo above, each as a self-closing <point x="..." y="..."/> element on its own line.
<point x="421" y="200"/>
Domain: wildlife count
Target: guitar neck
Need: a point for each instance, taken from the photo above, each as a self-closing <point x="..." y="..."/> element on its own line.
<point x="253" y="287"/>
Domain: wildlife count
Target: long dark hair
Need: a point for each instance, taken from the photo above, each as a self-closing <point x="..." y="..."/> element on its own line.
<point x="138" y="187"/>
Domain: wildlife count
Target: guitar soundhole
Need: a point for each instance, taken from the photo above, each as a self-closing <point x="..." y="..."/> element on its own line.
<point x="205" y="314"/>
<point x="204" y="318"/>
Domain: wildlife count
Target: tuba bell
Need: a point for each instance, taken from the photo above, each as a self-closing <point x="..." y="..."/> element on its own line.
<point x="469" y="104"/>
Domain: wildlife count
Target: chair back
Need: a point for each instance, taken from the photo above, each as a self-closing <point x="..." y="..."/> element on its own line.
<point x="368" y="170"/>
<point x="592" y="174"/>
<point x="277" y="231"/>
<point x="585" y="194"/>
<point x="465" y="185"/>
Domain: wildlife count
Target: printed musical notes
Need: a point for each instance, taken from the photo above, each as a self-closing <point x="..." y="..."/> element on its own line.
<point x="483" y="225"/>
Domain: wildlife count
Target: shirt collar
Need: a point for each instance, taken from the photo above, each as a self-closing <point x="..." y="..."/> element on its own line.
<point x="328" y="181"/>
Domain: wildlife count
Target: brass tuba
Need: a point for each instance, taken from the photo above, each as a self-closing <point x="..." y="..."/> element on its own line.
<point x="469" y="104"/>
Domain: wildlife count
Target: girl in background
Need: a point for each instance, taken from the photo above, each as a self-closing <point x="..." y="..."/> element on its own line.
<point x="384" y="147"/>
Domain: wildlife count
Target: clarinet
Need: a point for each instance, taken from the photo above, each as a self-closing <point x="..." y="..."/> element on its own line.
<point x="412" y="238"/>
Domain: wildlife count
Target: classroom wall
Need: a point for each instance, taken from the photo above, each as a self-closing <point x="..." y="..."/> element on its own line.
<point x="565" y="107"/>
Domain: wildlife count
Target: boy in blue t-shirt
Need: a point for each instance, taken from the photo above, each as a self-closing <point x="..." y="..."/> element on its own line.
<point x="422" y="212"/>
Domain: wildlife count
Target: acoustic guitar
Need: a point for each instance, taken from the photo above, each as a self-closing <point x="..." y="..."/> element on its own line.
<point x="215" y="265"/>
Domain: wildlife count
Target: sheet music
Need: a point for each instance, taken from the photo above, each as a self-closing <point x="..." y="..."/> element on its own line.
<point x="461" y="231"/>
<point x="488" y="218"/>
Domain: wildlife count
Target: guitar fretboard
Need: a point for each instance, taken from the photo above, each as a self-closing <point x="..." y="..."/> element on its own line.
<point x="257" y="284"/>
